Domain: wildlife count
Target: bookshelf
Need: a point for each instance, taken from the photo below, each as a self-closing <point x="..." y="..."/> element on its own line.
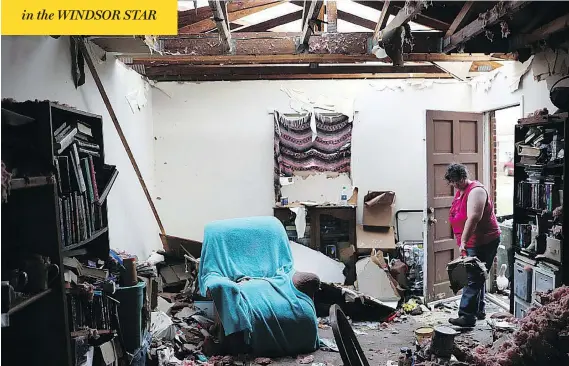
<point x="56" y="208"/>
<point x="539" y="226"/>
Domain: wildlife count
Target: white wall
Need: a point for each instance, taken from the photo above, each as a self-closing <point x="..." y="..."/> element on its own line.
<point x="214" y="143"/>
<point x="39" y="68"/>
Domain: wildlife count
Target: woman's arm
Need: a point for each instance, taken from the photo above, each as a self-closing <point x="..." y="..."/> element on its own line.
<point x="474" y="211"/>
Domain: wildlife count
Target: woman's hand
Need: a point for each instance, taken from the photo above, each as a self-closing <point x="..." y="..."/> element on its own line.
<point x="462" y="249"/>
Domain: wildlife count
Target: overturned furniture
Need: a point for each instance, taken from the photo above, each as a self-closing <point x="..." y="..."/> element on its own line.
<point x="246" y="267"/>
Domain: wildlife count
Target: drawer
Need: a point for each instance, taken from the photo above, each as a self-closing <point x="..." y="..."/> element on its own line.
<point x="523" y="280"/>
<point x="521" y="307"/>
<point x="545" y="280"/>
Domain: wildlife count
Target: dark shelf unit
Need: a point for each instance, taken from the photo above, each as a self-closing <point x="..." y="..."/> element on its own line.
<point x="31" y="224"/>
<point x="554" y="172"/>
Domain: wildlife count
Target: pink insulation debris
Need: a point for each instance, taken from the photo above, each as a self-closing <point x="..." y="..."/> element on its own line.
<point x="542" y="338"/>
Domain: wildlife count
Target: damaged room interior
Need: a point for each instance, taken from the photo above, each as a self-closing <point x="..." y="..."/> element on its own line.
<point x="318" y="183"/>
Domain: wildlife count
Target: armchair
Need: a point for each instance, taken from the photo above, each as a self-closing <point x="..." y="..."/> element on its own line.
<point x="246" y="267"/>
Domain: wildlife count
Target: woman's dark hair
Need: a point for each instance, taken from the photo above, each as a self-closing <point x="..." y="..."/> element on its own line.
<point x="456" y="173"/>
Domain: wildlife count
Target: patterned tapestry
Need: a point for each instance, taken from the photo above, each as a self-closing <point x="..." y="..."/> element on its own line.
<point x="295" y="150"/>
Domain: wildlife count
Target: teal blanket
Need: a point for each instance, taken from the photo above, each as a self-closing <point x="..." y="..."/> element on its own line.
<point x="246" y="265"/>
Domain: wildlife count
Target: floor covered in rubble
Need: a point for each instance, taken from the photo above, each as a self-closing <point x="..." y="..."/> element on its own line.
<point x="383" y="345"/>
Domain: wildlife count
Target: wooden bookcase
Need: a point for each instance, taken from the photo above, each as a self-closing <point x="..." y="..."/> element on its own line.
<point x="39" y="328"/>
<point x="539" y="183"/>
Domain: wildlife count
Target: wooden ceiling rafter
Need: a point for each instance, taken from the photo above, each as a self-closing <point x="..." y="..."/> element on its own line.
<point x="484" y="20"/>
<point x="188" y="17"/>
<point x="382" y="21"/>
<point x="331" y="17"/>
<point x="208" y="24"/>
<point x="302" y="59"/>
<point x="541" y="33"/>
<point x="272" y="23"/>
<point x="419" y="18"/>
<point x="271" y="43"/>
<point x="404" y="15"/>
<point x="219" y="10"/>
<point x="354" y="19"/>
<point x="205" y="78"/>
<point x="310" y="15"/>
<point x="457" y="22"/>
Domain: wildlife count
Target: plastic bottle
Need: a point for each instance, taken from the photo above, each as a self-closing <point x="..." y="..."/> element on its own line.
<point x="344" y="197"/>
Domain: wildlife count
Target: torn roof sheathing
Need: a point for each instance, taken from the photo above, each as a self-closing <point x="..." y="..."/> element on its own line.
<point x="264" y="32"/>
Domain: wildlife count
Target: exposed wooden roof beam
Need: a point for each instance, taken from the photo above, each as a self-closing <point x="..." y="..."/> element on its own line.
<point x="542" y="32"/>
<point x="311" y="11"/>
<point x="382" y="21"/>
<point x="302" y="59"/>
<point x="272" y="23"/>
<point x="253" y="72"/>
<point x="331" y="17"/>
<point x="219" y="10"/>
<point x="188" y="17"/>
<point x="404" y="15"/>
<point x="204" y="78"/>
<point x="209" y="24"/>
<point x="421" y="19"/>
<point x="354" y="19"/>
<point x="271" y="43"/>
<point x="459" y="18"/>
<point x="484" y="20"/>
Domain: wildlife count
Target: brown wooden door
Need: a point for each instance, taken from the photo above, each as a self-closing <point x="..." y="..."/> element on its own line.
<point x="452" y="137"/>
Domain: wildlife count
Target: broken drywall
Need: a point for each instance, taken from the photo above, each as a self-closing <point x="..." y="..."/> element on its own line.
<point x="512" y="71"/>
<point x="319" y="188"/>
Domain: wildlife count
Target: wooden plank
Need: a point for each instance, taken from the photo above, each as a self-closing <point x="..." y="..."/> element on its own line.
<point x="272" y="23"/>
<point x="354" y="19"/>
<point x="303" y="59"/>
<point x="261" y="71"/>
<point x="188" y="17"/>
<point x="382" y="21"/>
<point x="405" y="14"/>
<point x="209" y="24"/>
<point x="204" y="78"/>
<point x="331" y="17"/>
<point x="219" y="10"/>
<point x="459" y="18"/>
<point x="310" y="14"/>
<point x="484" y="20"/>
<point x="272" y="43"/>
<point x="104" y="96"/>
<point x="421" y="19"/>
<point x="541" y="33"/>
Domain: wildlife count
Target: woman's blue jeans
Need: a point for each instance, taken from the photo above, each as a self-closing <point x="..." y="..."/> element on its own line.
<point x="472" y="301"/>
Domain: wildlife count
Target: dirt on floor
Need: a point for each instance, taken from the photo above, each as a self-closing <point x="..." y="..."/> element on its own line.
<point x="382" y="345"/>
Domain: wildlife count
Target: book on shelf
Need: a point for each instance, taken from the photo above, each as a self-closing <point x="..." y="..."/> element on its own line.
<point x="93" y="314"/>
<point x="105" y="180"/>
<point x="65" y="141"/>
<point x="84" y="129"/>
<point x="536" y="195"/>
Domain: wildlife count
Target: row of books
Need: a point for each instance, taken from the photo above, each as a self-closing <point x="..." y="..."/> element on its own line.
<point x="79" y="219"/>
<point x="78" y="133"/>
<point x="76" y="174"/>
<point x="536" y="195"/>
<point x="524" y="235"/>
<point x="83" y="181"/>
<point x="95" y="314"/>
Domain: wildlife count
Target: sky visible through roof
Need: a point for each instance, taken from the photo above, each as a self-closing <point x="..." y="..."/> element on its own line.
<point x="347" y="6"/>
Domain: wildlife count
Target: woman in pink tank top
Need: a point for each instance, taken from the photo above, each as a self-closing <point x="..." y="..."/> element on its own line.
<point x="477" y="234"/>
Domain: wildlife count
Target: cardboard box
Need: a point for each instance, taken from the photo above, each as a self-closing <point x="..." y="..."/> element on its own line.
<point x="378" y="208"/>
<point x="378" y="238"/>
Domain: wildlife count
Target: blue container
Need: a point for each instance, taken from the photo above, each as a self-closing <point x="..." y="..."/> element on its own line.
<point x="130" y="314"/>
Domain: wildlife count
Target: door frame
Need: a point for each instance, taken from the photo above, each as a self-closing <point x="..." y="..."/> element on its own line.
<point x="488" y="156"/>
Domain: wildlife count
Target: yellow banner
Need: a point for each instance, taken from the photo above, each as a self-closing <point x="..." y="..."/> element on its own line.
<point x="101" y="17"/>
